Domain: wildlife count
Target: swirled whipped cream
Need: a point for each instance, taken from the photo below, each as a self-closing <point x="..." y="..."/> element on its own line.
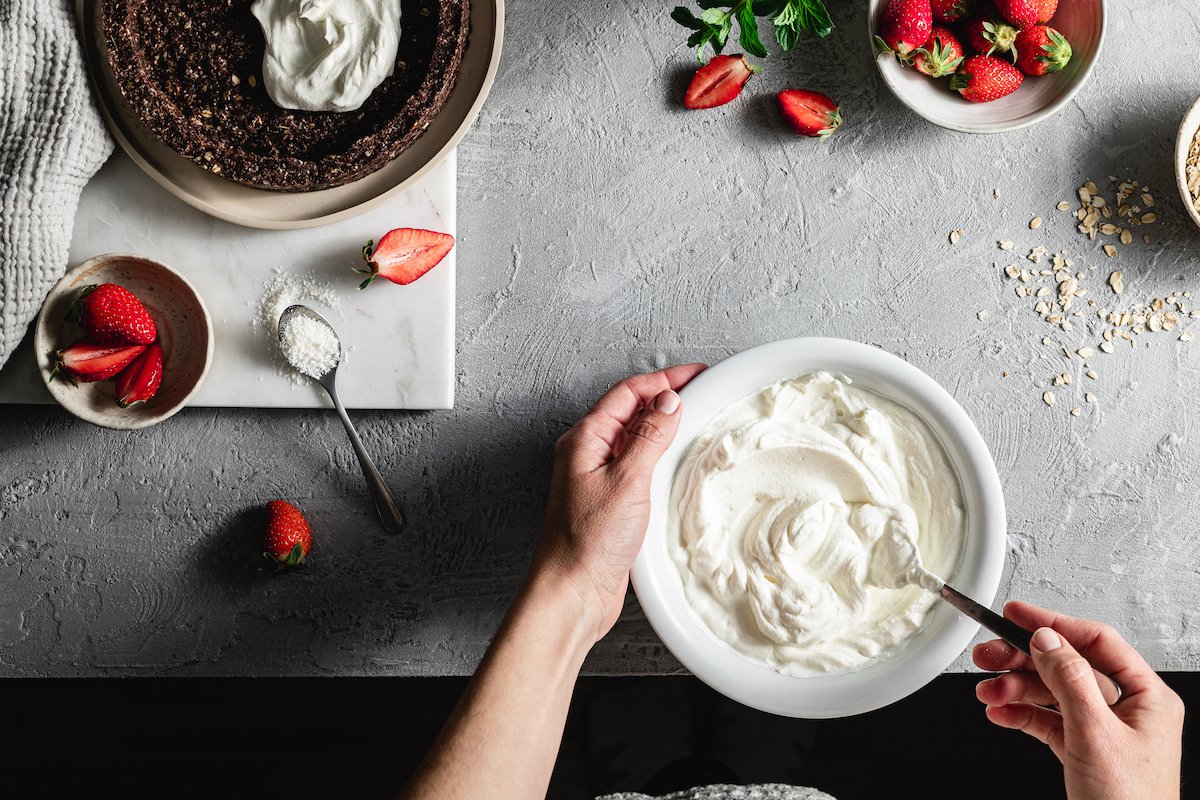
<point x="805" y="520"/>
<point x="327" y="55"/>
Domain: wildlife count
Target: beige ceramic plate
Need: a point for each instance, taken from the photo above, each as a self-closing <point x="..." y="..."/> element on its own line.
<point x="260" y="208"/>
<point x="184" y="331"/>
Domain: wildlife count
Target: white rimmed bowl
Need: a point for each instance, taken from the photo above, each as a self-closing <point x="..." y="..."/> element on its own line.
<point x="1082" y="22"/>
<point x="184" y="331"/>
<point x="945" y="633"/>
<point x="1183" y="143"/>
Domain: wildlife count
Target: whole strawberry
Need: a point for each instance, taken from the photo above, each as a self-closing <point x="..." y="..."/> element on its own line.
<point x="810" y="113"/>
<point x="718" y="82"/>
<point x="1042" y="50"/>
<point x="905" y="28"/>
<point x="942" y="56"/>
<point x="988" y="36"/>
<point x="111" y="314"/>
<point x="1021" y="13"/>
<point x="982" y="79"/>
<point x="953" y="10"/>
<point x="1046" y="10"/>
<point x="287" y="539"/>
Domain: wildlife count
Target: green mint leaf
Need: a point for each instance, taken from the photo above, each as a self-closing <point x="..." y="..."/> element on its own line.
<point x="686" y="18"/>
<point x="786" y="36"/>
<point x="814" y="17"/>
<point x="714" y="16"/>
<point x="748" y="24"/>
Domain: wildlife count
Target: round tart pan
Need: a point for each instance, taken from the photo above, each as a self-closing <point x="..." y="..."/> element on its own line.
<point x="263" y="208"/>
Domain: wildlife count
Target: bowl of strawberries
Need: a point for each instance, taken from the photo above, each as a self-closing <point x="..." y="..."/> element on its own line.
<point x="986" y="66"/>
<point x="123" y="341"/>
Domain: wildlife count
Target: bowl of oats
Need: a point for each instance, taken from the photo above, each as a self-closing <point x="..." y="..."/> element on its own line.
<point x="1187" y="161"/>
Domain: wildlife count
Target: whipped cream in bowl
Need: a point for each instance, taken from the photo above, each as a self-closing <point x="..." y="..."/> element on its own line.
<point x="818" y="489"/>
<point x="327" y="55"/>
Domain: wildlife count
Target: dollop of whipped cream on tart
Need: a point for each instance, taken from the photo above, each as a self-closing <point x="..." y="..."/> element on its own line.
<point x="807" y="518"/>
<point x="327" y="55"/>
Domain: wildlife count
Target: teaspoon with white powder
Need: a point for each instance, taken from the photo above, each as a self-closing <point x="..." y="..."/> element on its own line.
<point x="312" y="347"/>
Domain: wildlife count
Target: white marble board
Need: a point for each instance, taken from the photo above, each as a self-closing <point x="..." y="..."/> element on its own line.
<point x="399" y="339"/>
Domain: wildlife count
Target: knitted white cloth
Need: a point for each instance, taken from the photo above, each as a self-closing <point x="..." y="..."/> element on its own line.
<point x="769" y="791"/>
<point x="52" y="141"/>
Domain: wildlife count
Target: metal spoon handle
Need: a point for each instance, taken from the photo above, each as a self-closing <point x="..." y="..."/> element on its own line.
<point x="1017" y="636"/>
<point x="389" y="513"/>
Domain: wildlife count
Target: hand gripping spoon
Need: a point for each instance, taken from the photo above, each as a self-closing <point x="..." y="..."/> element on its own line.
<point x="389" y="513"/>
<point x="1010" y="631"/>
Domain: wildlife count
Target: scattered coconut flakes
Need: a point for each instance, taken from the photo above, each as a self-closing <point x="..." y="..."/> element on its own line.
<point x="982" y="313"/>
<point x="1107" y="347"/>
<point x="1048" y="398"/>
<point x="283" y="290"/>
<point x="955" y="235"/>
<point x="1004" y="244"/>
<point x="1089" y="398"/>
<point x="1035" y="223"/>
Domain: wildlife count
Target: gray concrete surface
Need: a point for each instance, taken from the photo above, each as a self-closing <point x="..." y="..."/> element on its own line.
<point x="605" y="231"/>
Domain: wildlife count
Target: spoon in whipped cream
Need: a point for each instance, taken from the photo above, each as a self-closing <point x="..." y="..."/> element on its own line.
<point x="906" y="565"/>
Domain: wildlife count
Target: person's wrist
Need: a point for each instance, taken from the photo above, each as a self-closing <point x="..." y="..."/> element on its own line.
<point x="567" y="599"/>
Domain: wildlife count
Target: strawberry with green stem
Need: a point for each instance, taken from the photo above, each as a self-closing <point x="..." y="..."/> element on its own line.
<point x="111" y="314"/>
<point x="810" y="113"/>
<point x="1041" y="50"/>
<point x="988" y="36"/>
<point x="905" y="28"/>
<point x="88" y="362"/>
<point x="287" y="538"/>
<point x="404" y="254"/>
<point x="982" y="79"/>
<point x="942" y="56"/>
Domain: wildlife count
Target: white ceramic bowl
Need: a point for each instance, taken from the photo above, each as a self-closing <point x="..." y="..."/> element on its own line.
<point x="1183" y="144"/>
<point x="1081" y="21"/>
<point x="945" y="633"/>
<point x="184" y="331"/>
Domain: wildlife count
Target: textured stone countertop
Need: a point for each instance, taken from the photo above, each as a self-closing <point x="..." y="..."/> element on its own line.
<point x="604" y="231"/>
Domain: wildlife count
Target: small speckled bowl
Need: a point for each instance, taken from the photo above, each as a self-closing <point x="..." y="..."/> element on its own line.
<point x="1183" y="145"/>
<point x="184" y="331"/>
<point x="1082" y="22"/>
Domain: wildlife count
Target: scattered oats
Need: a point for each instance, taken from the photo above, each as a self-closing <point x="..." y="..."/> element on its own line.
<point x="1004" y="244"/>
<point x="955" y="235"/>
<point x="1044" y="291"/>
<point x="1085" y="352"/>
<point x="1048" y="398"/>
<point x="1035" y="223"/>
<point x="1110" y="251"/>
<point x="996" y="193"/>
<point x="1047" y="340"/>
<point x="1186" y="336"/>
<point x="235" y="79"/>
<point x="982" y="313"/>
<point x="1091" y="373"/>
<point x="1089" y="398"/>
<point x="1107" y="347"/>
<point x="1149" y="218"/>
<point x="251" y="80"/>
<point x="1126" y="236"/>
<point x="1075" y="412"/>
<point x="1063" y="206"/>
<point x="1116" y="281"/>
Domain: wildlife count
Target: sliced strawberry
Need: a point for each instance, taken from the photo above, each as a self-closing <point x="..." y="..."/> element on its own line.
<point x="404" y="254"/>
<point x="718" y="81"/>
<point x="139" y="382"/>
<point x="111" y="314"/>
<point x="88" y="362"/>
<point x="810" y="113"/>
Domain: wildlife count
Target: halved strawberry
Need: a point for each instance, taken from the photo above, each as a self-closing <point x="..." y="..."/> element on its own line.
<point x="404" y="254"/>
<point x="810" y="113"/>
<point x="111" y="314"/>
<point x="718" y="81"/>
<point x="139" y="382"/>
<point x="88" y="362"/>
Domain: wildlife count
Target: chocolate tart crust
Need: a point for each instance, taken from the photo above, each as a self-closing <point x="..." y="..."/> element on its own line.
<point x="191" y="72"/>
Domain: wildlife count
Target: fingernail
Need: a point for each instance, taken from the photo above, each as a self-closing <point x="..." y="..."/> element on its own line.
<point x="666" y="402"/>
<point x="1046" y="640"/>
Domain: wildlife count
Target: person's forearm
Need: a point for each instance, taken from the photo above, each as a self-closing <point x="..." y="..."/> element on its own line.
<point x="503" y="737"/>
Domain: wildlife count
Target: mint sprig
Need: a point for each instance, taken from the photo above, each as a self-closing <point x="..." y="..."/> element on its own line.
<point x="790" y="19"/>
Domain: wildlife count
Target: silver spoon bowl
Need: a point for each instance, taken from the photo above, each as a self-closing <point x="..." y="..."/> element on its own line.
<point x="389" y="513"/>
